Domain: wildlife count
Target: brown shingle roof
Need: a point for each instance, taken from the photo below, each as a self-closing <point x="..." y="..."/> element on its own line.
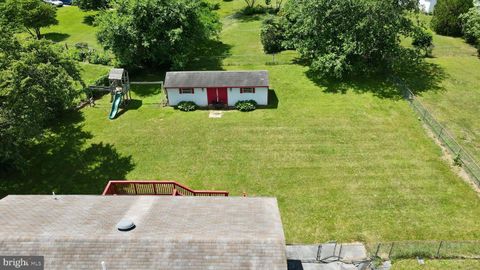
<point x="78" y="232"/>
<point x="216" y="79"/>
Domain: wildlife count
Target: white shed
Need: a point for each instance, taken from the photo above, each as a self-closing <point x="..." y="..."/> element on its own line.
<point x="217" y="87"/>
<point x="427" y="5"/>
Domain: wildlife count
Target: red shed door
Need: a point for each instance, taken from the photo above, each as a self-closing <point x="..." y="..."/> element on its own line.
<point x="217" y="95"/>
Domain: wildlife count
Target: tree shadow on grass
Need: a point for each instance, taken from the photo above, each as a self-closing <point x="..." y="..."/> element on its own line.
<point x="379" y="85"/>
<point x="56" y="37"/>
<point x="209" y="56"/>
<point x="132" y="105"/>
<point x="63" y="161"/>
<point x="247" y="18"/>
<point x="419" y="76"/>
<point x="422" y="76"/>
<point x="146" y="90"/>
<point x="89" y="19"/>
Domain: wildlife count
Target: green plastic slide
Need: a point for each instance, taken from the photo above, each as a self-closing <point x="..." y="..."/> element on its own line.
<point x="115" y="105"/>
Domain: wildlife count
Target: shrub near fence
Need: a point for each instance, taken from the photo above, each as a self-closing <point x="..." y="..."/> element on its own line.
<point x="426" y="249"/>
<point x="461" y="156"/>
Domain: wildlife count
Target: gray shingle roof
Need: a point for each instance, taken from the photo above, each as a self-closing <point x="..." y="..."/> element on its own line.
<point x="216" y="79"/>
<point x="116" y="74"/>
<point x="78" y="232"/>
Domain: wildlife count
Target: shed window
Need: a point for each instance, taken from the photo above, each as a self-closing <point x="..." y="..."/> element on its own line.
<point x="247" y="90"/>
<point x="186" y="91"/>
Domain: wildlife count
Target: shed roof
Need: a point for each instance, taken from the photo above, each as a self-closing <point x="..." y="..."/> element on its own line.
<point x="78" y="232"/>
<point x="116" y="74"/>
<point x="216" y="79"/>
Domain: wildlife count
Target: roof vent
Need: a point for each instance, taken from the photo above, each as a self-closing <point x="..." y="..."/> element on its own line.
<point x="125" y="225"/>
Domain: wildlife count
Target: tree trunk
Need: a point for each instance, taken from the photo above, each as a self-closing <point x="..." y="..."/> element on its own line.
<point x="37" y="33"/>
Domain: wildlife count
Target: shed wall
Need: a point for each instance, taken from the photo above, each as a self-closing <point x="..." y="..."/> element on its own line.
<point x="199" y="96"/>
<point x="260" y="96"/>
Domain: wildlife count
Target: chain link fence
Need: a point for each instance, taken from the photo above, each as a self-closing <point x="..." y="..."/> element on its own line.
<point x="461" y="156"/>
<point x="425" y="249"/>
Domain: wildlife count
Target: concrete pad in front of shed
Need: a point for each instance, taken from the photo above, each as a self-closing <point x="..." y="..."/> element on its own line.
<point x="215" y="114"/>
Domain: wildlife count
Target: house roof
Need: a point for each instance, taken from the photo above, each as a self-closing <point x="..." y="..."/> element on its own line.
<point x="116" y="74"/>
<point x="216" y="79"/>
<point x="79" y="232"/>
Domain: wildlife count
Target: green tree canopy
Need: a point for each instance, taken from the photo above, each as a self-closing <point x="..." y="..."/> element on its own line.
<point x="446" y="16"/>
<point x="344" y="37"/>
<point x="156" y="32"/>
<point x="272" y="35"/>
<point x="31" y="15"/>
<point x="91" y="4"/>
<point x="37" y="82"/>
<point x="471" y="25"/>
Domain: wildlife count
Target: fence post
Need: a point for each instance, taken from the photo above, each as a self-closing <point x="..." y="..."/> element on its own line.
<point x="391" y="249"/>
<point x="440" y="133"/>
<point x="438" y="250"/>
<point x="378" y="249"/>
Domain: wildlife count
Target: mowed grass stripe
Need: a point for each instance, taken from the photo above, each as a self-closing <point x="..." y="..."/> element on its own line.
<point x="343" y="166"/>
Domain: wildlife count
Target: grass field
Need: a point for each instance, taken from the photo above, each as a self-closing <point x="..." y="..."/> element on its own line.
<point x="437" y="265"/>
<point x="346" y="161"/>
<point x="75" y="26"/>
<point x="456" y="103"/>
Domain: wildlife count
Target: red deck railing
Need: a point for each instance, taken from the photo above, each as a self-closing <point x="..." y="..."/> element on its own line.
<point x="165" y="188"/>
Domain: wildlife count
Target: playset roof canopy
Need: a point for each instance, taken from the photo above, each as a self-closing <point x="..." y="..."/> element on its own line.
<point x="116" y="74"/>
<point x="178" y="79"/>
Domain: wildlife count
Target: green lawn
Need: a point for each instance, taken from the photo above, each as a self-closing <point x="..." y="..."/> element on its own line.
<point x="91" y="72"/>
<point x="74" y="26"/>
<point x="347" y="162"/>
<point x="437" y="265"/>
<point x="456" y="103"/>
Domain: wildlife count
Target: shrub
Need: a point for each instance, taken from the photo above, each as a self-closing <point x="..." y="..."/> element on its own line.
<point x="246" y="105"/>
<point x="423" y="41"/>
<point x="99" y="58"/>
<point x="446" y="16"/>
<point x="457" y="160"/>
<point x="187" y="106"/>
<point x="471" y="25"/>
<point x="80" y="53"/>
<point x="255" y="10"/>
<point x="83" y="53"/>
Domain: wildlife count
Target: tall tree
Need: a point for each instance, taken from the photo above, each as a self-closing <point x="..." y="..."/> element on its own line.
<point x="156" y="32"/>
<point x="37" y="82"/>
<point x="272" y="35"/>
<point x="351" y="36"/>
<point x="446" y="16"/>
<point x="31" y="15"/>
